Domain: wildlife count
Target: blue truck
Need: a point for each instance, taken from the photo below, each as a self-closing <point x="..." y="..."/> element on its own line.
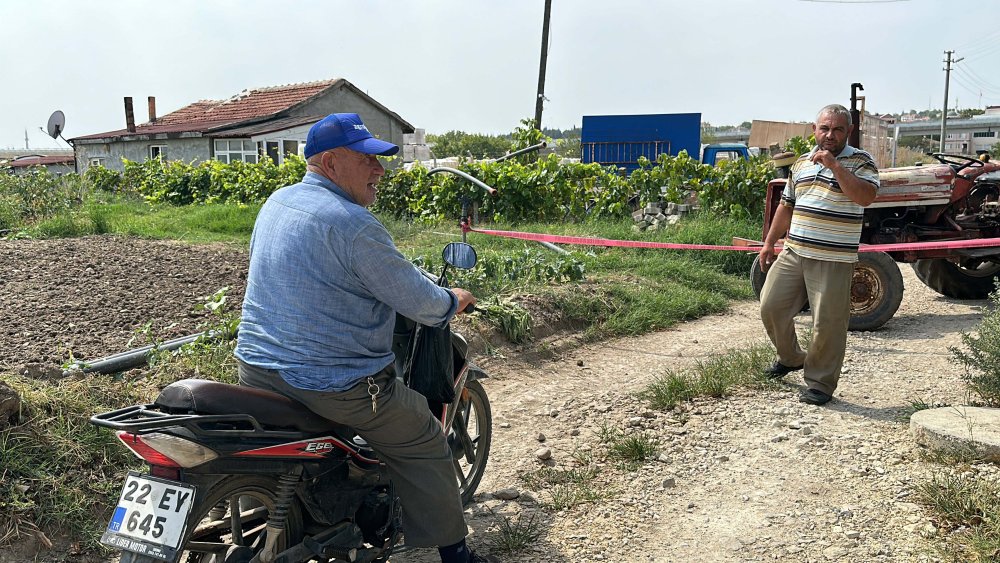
<point x="619" y="140"/>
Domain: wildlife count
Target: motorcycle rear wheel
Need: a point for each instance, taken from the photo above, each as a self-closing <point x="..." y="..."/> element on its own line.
<point x="475" y="419"/>
<point x="213" y="521"/>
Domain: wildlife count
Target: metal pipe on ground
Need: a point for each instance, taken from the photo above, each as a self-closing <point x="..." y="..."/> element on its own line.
<point x="137" y="357"/>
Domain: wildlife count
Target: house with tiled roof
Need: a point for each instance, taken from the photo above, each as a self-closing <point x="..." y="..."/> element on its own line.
<point x="57" y="164"/>
<point x="260" y="123"/>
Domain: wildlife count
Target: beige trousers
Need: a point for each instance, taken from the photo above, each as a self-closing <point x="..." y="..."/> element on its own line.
<point x="791" y="280"/>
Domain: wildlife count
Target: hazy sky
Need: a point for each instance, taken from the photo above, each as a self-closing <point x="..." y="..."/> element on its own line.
<point x="472" y="65"/>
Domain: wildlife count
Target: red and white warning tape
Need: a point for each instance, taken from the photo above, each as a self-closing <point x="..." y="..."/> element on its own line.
<point x="593" y="241"/>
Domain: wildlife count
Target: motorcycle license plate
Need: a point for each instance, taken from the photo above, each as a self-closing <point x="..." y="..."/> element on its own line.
<point x="150" y="516"/>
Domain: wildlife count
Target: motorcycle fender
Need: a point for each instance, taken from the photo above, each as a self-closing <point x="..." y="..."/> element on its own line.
<point x="476" y="373"/>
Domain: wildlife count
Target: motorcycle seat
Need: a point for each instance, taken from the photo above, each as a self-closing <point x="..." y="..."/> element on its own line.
<point x="268" y="408"/>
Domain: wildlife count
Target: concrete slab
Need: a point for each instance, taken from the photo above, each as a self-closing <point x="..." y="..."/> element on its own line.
<point x="951" y="429"/>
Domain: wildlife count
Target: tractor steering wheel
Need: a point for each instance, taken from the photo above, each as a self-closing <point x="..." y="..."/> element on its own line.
<point x="959" y="162"/>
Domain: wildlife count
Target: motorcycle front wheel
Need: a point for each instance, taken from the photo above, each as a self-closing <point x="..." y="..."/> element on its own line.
<point x="227" y="523"/>
<point x="470" y="438"/>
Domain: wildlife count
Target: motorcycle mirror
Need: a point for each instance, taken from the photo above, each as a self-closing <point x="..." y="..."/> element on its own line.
<point x="460" y="255"/>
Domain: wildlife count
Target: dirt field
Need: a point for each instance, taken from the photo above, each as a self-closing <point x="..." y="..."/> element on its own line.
<point x="754" y="477"/>
<point x="89" y="297"/>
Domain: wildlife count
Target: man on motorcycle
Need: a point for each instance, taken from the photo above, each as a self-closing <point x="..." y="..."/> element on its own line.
<point x="324" y="286"/>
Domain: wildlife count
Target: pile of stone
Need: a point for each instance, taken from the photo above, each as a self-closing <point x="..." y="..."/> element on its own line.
<point x="660" y="215"/>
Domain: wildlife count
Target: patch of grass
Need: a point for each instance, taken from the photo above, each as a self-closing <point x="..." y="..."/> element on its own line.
<point x="628" y="449"/>
<point x="514" y="534"/>
<point x="915" y="406"/>
<point x="132" y="217"/>
<point x="969" y="506"/>
<point x="566" y="487"/>
<point x="716" y="377"/>
<point x="60" y="473"/>
<point x="964" y="453"/>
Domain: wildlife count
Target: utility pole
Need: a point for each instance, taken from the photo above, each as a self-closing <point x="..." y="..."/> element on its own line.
<point x="541" y="65"/>
<point x="944" y="113"/>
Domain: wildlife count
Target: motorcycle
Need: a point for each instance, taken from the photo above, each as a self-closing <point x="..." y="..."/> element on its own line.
<point x="243" y="475"/>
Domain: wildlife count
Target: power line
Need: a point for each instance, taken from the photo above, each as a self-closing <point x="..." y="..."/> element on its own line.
<point x="989" y="52"/>
<point x="978" y="43"/>
<point x="976" y="82"/>
<point x="976" y="75"/>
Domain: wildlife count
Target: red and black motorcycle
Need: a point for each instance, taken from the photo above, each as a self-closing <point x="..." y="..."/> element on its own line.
<point x="242" y="475"/>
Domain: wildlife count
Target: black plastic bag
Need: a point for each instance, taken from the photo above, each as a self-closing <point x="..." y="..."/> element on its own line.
<point x="429" y="368"/>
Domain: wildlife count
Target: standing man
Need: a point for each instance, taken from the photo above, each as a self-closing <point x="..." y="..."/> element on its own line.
<point x="821" y="210"/>
<point x="324" y="286"/>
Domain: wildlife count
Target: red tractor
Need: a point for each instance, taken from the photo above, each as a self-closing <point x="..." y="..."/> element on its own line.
<point x="957" y="199"/>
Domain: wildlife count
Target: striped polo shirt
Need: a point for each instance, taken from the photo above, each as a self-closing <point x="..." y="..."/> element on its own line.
<point x="826" y="224"/>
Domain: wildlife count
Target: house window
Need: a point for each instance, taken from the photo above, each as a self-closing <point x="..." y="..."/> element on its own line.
<point x="158" y="151"/>
<point x="981" y="134"/>
<point x="97" y="162"/>
<point x="235" y="150"/>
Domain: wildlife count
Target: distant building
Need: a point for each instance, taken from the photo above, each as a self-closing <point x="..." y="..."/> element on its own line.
<point x="20" y="162"/>
<point x="964" y="136"/>
<point x="263" y="122"/>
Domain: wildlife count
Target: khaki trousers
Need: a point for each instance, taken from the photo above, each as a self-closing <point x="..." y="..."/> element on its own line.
<point x="406" y="438"/>
<point x="791" y="280"/>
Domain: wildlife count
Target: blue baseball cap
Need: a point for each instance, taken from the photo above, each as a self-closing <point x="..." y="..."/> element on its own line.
<point x="345" y="130"/>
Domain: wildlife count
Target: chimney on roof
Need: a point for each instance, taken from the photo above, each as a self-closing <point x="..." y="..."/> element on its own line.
<point x="152" y="109"/>
<point x="129" y="116"/>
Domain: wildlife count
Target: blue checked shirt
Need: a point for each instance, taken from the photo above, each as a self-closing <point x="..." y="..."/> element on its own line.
<point x="324" y="285"/>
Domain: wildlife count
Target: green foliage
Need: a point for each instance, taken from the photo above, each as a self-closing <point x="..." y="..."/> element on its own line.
<point x="511" y="319"/>
<point x="473" y="145"/>
<point x="38" y="194"/>
<point x="211" y="181"/>
<point x="670" y="179"/>
<point x="102" y="178"/>
<point x="800" y="146"/>
<point x="526" y="135"/>
<point x="737" y="187"/>
<point x="981" y="356"/>
<point x="545" y="190"/>
<point x="995" y="151"/>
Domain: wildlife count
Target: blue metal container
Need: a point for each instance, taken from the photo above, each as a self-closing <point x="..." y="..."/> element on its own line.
<point x="619" y="140"/>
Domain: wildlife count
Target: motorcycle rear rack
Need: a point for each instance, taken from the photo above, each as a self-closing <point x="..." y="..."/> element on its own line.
<point x="144" y="419"/>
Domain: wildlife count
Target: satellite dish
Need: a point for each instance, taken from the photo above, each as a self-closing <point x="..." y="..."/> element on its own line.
<point x="57" y="122"/>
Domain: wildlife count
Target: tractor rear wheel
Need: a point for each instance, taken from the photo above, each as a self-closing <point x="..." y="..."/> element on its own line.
<point x="876" y="291"/>
<point x="971" y="280"/>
